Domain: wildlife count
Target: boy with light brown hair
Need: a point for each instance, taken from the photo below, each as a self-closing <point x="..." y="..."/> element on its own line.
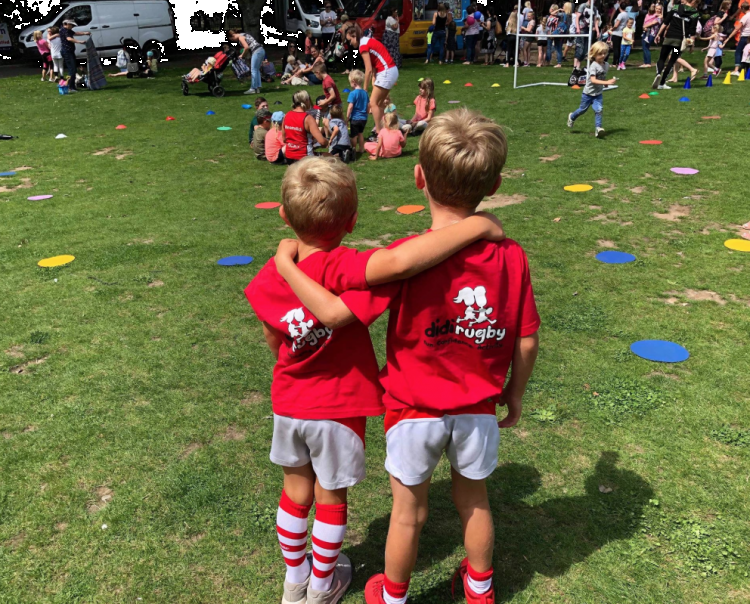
<point x="325" y="381"/>
<point x="453" y="333"/>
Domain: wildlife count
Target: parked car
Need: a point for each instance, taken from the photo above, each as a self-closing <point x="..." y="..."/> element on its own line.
<point x="149" y="22"/>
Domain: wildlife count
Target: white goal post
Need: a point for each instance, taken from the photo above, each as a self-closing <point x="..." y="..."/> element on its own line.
<point x="519" y="35"/>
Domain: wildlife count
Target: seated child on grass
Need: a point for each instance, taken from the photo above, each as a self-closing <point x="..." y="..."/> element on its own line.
<point x="424" y="108"/>
<point x="339" y="144"/>
<point x="453" y="333"/>
<point x="391" y="141"/>
<point x="274" y="140"/>
<point x="325" y="382"/>
<point x="260" y="103"/>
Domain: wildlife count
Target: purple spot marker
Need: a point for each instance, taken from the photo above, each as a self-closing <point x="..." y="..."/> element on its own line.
<point x="40" y="197"/>
<point x="453" y="102"/>
<point x="685" y="171"/>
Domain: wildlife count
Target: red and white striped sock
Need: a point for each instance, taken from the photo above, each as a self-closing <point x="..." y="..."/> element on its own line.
<point x="394" y="593"/>
<point x="327" y="536"/>
<point x="291" y="526"/>
<point x="479" y="583"/>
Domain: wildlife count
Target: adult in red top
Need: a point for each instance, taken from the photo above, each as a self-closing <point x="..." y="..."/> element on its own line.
<point x="377" y="59"/>
<point x="453" y="328"/>
<point x="296" y="127"/>
<point x="321" y="373"/>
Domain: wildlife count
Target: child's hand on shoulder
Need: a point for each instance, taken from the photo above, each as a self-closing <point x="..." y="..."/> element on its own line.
<point x="286" y="253"/>
<point x="494" y="230"/>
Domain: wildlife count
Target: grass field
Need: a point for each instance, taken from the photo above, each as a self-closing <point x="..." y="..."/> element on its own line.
<point x="134" y="382"/>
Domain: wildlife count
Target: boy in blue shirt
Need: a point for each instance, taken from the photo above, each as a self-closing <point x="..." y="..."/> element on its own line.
<point x="356" y="114"/>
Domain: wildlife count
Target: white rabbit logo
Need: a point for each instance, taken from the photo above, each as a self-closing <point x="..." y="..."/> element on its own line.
<point x="298" y="327"/>
<point x="474" y="297"/>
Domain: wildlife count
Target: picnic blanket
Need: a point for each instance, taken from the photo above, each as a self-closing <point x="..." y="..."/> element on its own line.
<point x="97" y="79"/>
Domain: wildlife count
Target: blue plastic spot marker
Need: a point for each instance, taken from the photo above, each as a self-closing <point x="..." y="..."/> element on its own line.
<point x="660" y="351"/>
<point x="684" y="99"/>
<point x="613" y="257"/>
<point x="235" y="261"/>
<point x="247" y="106"/>
<point x="346" y="90"/>
<point x="210" y="113"/>
<point x="7" y="173"/>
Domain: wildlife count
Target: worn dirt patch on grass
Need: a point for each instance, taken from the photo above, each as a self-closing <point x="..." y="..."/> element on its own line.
<point x="514" y="173"/>
<point x="664" y="375"/>
<point x="124" y="155"/>
<point x="385" y="208"/>
<point x="606" y="243"/>
<point x="702" y="296"/>
<point x="15" y="542"/>
<point x="104" y="151"/>
<point x="25" y="184"/>
<point x="501" y="201"/>
<point x="104" y="496"/>
<point x="15" y="351"/>
<point x="190" y="449"/>
<point x="712" y="226"/>
<point x="551" y="158"/>
<point x="379" y="242"/>
<point x="18" y="369"/>
<point x="233" y="433"/>
<point x="23" y="169"/>
<point x="675" y="214"/>
<point x="252" y="398"/>
<point x="637" y="190"/>
<point x="156" y="283"/>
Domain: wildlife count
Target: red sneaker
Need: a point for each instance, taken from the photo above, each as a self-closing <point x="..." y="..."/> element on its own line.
<point x="471" y="597"/>
<point x="374" y="590"/>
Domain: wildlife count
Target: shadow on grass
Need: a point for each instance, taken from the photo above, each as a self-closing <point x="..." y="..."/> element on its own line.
<point x="545" y="539"/>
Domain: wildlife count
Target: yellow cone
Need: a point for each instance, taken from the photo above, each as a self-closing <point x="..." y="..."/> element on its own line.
<point x="447" y="82"/>
<point x="728" y="79"/>
<point x="742" y="75"/>
<point x="495" y="86"/>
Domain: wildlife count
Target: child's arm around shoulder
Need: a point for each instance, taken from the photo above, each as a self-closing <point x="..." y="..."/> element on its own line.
<point x="386" y="265"/>
<point x="273" y="340"/>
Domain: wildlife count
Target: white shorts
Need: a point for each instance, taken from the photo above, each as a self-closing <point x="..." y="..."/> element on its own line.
<point x="336" y="449"/>
<point x="387" y="79"/>
<point x="414" y="446"/>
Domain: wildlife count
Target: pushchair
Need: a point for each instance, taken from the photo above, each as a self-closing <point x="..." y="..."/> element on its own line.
<point x="213" y="77"/>
<point x="335" y="51"/>
<point x="137" y="65"/>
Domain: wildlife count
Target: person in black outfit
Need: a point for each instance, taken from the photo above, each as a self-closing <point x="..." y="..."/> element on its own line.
<point x="679" y="25"/>
<point x="68" y="51"/>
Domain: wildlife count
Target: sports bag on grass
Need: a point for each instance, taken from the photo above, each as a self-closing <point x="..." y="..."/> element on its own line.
<point x="240" y="68"/>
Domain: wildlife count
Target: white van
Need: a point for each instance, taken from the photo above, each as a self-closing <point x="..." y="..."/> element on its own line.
<point x="149" y="22"/>
<point x="286" y="20"/>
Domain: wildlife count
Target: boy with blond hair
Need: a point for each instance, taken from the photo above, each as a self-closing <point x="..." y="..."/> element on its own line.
<point x="356" y="113"/>
<point x="453" y="333"/>
<point x="325" y="381"/>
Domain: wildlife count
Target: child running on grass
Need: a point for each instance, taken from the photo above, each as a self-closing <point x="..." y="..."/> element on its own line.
<point x="424" y="108"/>
<point x="42" y="46"/>
<point x="391" y="141"/>
<point x="592" y="92"/>
<point x="325" y="381"/>
<point x="356" y="112"/>
<point x="714" y="53"/>
<point x="453" y="333"/>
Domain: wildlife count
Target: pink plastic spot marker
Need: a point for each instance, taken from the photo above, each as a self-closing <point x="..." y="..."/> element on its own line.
<point x="644" y="96"/>
<point x="468" y="85"/>
<point x="120" y="127"/>
<point x="685" y="171"/>
<point x="170" y="118"/>
<point x="40" y="197"/>
<point x="650" y="142"/>
<point x="267" y="205"/>
<point x="711" y="117"/>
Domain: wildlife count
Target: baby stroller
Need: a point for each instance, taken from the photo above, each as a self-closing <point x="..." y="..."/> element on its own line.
<point x="137" y="65"/>
<point x="213" y="77"/>
<point x="335" y="51"/>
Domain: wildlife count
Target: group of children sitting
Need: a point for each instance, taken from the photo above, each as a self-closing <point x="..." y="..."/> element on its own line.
<point x="280" y="139"/>
<point x="462" y="310"/>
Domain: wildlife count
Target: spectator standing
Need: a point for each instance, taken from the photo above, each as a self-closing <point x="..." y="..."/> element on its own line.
<point x="742" y="27"/>
<point x="55" y="45"/>
<point x="327" y="25"/>
<point x="440" y="22"/>
<point x="471" y="34"/>
<point x="618" y="24"/>
<point x="68" y="50"/>
<point x="392" y="37"/>
<point x="584" y="20"/>
<point x="651" y="24"/>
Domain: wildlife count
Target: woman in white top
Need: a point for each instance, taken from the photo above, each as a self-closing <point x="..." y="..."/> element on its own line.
<point x="392" y="37"/>
<point x="327" y="26"/>
<point x="55" y="46"/>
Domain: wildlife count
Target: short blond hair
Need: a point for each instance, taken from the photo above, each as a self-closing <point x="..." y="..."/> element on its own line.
<point x="391" y="121"/>
<point x="319" y="195"/>
<point x="38" y="35"/>
<point x="462" y="153"/>
<point x="356" y="77"/>
<point x="598" y="48"/>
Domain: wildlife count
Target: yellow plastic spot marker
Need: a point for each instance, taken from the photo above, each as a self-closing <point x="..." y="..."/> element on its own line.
<point x="420" y="80"/>
<point x="447" y="82"/>
<point x="495" y="86"/>
<point x="578" y="188"/>
<point x="415" y="209"/>
<point x="738" y="245"/>
<point x="60" y="261"/>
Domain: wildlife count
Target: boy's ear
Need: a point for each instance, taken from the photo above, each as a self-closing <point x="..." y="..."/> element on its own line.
<point x="282" y="213"/>
<point x="497" y="184"/>
<point x="419" y="178"/>
<point x="352" y="222"/>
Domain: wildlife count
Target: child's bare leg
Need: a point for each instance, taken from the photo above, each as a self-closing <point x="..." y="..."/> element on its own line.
<point x="472" y="503"/>
<point x="407" y="519"/>
<point x="299" y="484"/>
